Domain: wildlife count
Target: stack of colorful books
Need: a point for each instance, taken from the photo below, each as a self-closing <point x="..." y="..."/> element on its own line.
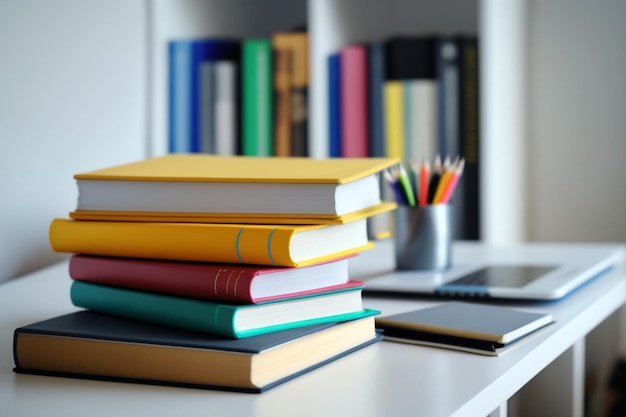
<point x="210" y="271"/>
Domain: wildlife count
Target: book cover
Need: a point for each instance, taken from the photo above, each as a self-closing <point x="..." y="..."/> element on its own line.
<point x="478" y="328"/>
<point x="179" y="95"/>
<point x="207" y="186"/>
<point x="276" y="245"/>
<point x="257" y="92"/>
<point x="224" y="319"/>
<point x="133" y="351"/>
<point x="244" y="284"/>
<point x="354" y="101"/>
<point x="334" y="105"/>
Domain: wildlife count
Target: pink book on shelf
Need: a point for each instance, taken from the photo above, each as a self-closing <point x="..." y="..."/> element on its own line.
<point x="354" y="101"/>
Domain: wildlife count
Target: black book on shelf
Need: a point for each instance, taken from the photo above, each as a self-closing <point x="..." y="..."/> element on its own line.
<point x="410" y="57"/>
<point x="469" y="126"/>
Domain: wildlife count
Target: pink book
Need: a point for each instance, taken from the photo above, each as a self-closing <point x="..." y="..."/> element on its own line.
<point x="354" y="131"/>
<point x="239" y="284"/>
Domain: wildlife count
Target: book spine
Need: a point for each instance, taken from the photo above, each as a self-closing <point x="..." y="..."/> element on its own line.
<point x="470" y="146"/>
<point x="376" y="68"/>
<point x="334" y="104"/>
<point x="299" y="94"/>
<point x="179" y="86"/>
<point x="448" y="56"/>
<point x="354" y="105"/>
<point x="282" y="97"/>
<point x="183" y="313"/>
<point x="185" y="279"/>
<point x="257" y="129"/>
<point x="201" y="242"/>
<point x="422" y="116"/>
<point x="299" y="121"/>
<point x="207" y="110"/>
<point x="394" y="125"/>
<point x="226" y="137"/>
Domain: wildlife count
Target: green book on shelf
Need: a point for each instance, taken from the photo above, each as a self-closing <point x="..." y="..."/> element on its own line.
<point x="257" y="91"/>
<point x="230" y="320"/>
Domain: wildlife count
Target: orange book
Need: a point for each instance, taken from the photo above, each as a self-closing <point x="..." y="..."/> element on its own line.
<point x="277" y="245"/>
<point x="282" y="100"/>
<point x="292" y="49"/>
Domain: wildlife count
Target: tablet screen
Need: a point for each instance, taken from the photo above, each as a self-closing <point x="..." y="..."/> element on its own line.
<point x="503" y="276"/>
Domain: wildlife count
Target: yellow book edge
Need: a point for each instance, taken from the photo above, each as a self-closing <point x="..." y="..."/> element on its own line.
<point x="245" y="218"/>
<point x="215" y="168"/>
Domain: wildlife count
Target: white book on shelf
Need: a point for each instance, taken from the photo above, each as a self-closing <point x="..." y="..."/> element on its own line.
<point x="422" y="138"/>
<point x="225" y="108"/>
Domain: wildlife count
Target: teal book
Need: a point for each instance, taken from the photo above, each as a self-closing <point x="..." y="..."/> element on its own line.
<point x="230" y="320"/>
<point x="257" y="92"/>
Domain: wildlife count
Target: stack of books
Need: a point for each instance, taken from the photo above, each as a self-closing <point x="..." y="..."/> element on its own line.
<point x="211" y="271"/>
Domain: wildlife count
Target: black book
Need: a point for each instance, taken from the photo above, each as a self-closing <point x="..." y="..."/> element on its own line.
<point x="410" y="58"/>
<point x="91" y="345"/>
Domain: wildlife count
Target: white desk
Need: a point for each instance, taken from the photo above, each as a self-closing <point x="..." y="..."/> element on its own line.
<point x="386" y="379"/>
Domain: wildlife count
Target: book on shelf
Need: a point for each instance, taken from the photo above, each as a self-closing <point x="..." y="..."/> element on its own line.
<point x="291" y="51"/>
<point x="282" y="99"/>
<point x="225" y="131"/>
<point x="198" y="187"/>
<point x="394" y="120"/>
<point x="132" y="351"/>
<point x="449" y="142"/>
<point x="334" y="104"/>
<point x="190" y="72"/>
<point x="469" y="197"/>
<point x="411" y="77"/>
<point x="354" y="101"/>
<point x="179" y="96"/>
<point x="258" y="244"/>
<point x="257" y="97"/>
<point x="471" y="327"/>
<point x="225" y="282"/>
<point x="207" y="53"/>
<point x="376" y="80"/>
<point x="225" y="319"/>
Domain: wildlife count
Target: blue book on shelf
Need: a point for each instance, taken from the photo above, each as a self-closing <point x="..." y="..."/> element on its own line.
<point x="179" y="93"/>
<point x="334" y="104"/>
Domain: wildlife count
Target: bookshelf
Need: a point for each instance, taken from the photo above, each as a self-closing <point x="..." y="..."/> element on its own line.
<point x="522" y="125"/>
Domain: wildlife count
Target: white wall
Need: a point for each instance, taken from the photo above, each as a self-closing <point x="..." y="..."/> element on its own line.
<point x="72" y="98"/>
<point x="577" y="120"/>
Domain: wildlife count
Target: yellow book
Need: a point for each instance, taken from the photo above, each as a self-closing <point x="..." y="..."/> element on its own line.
<point x="278" y="245"/>
<point x="210" y="188"/>
<point x="394" y="119"/>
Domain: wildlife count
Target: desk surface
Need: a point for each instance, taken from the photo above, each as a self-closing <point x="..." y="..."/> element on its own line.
<point x="382" y="379"/>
